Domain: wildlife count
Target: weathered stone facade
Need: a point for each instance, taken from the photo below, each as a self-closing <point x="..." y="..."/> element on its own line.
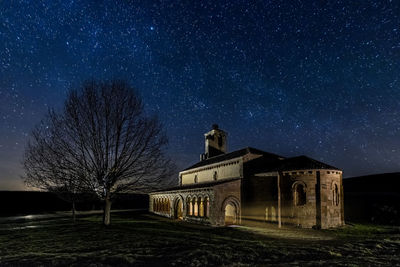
<point x="204" y="204"/>
<point x="252" y="185"/>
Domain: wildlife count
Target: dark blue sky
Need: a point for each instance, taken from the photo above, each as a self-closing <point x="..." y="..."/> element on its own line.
<point x="288" y="77"/>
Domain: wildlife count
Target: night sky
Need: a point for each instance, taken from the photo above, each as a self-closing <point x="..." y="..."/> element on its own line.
<point x="288" y="77"/>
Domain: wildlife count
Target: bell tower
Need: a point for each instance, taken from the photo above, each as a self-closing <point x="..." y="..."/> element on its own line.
<point x="215" y="143"/>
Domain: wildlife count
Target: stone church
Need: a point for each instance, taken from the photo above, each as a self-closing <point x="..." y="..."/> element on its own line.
<point x="250" y="185"/>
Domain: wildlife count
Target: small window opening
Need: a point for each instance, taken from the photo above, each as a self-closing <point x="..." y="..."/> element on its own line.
<point x="335" y="195"/>
<point x="299" y="195"/>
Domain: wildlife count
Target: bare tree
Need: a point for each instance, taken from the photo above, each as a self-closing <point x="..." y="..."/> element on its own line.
<point x="106" y="143"/>
<point x="45" y="165"/>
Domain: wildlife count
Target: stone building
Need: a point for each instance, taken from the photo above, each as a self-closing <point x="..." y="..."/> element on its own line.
<point x="250" y="185"/>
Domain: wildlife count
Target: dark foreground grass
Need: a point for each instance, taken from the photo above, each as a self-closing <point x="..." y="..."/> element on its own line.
<point x="143" y="239"/>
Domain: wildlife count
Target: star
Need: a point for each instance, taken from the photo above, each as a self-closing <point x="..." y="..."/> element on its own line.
<point x="315" y="79"/>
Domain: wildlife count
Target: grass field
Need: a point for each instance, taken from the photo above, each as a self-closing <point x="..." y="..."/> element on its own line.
<point x="142" y="239"/>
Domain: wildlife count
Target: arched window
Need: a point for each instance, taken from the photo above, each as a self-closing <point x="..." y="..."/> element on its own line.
<point x="201" y="207"/>
<point x="215" y="176"/>
<point x="195" y="179"/>
<point x="299" y="194"/>
<point x="335" y="193"/>
<point x="206" y="207"/>
<point x="195" y="207"/>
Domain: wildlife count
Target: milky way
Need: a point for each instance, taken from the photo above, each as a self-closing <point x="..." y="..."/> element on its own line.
<point x="288" y="77"/>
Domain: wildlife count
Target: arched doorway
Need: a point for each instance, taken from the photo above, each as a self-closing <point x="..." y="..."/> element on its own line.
<point x="230" y="214"/>
<point x="178" y="209"/>
<point x="231" y="210"/>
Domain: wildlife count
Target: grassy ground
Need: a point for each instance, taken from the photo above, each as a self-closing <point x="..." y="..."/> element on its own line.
<point x="143" y="239"/>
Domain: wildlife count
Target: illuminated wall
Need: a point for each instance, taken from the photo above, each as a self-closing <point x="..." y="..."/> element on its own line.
<point x="215" y="172"/>
<point x="309" y="198"/>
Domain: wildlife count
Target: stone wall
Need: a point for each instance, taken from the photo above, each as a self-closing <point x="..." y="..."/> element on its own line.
<point x="259" y="199"/>
<point x="214" y="172"/>
<point x="218" y="196"/>
<point x="299" y="214"/>
<point x="322" y="208"/>
<point x="255" y="198"/>
<point x="331" y="199"/>
<point x="226" y="193"/>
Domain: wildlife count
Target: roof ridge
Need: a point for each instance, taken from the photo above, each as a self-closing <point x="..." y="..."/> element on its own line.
<point x="227" y="156"/>
<point x="322" y="164"/>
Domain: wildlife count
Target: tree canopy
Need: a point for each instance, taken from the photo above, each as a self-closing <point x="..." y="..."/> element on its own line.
<point x="102" y="141"/>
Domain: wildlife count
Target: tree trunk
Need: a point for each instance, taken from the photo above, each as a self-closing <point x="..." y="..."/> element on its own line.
<point x="73" y="212"/>
<point x="107" y="211"/>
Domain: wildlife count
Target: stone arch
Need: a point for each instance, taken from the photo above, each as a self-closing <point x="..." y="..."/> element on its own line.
<point x="299" y="193"/>
<point x="195" y="208"/>
<point x="205" y="198"/>
<point x="178" y="207"/>
<point x="189" y="211"/>
<point x="299" y="182"/>
<point x="231" y="210"/>
<point x="206" y="206"/>
<point x="200" y="203"/>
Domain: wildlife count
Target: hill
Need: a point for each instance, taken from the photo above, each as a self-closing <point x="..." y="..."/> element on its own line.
<point x="385" y="182"/>
<point x="372" y="198"/>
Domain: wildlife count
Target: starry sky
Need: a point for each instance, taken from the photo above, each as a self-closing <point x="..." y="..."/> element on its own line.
<point x="319" y="78"/>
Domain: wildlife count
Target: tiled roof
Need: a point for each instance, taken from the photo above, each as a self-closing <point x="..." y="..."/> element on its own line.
<point x="198" y="185"/>
<point x="288" y="164"/>
<point x="232" y="155"/>
<point x="303" y="163"/>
